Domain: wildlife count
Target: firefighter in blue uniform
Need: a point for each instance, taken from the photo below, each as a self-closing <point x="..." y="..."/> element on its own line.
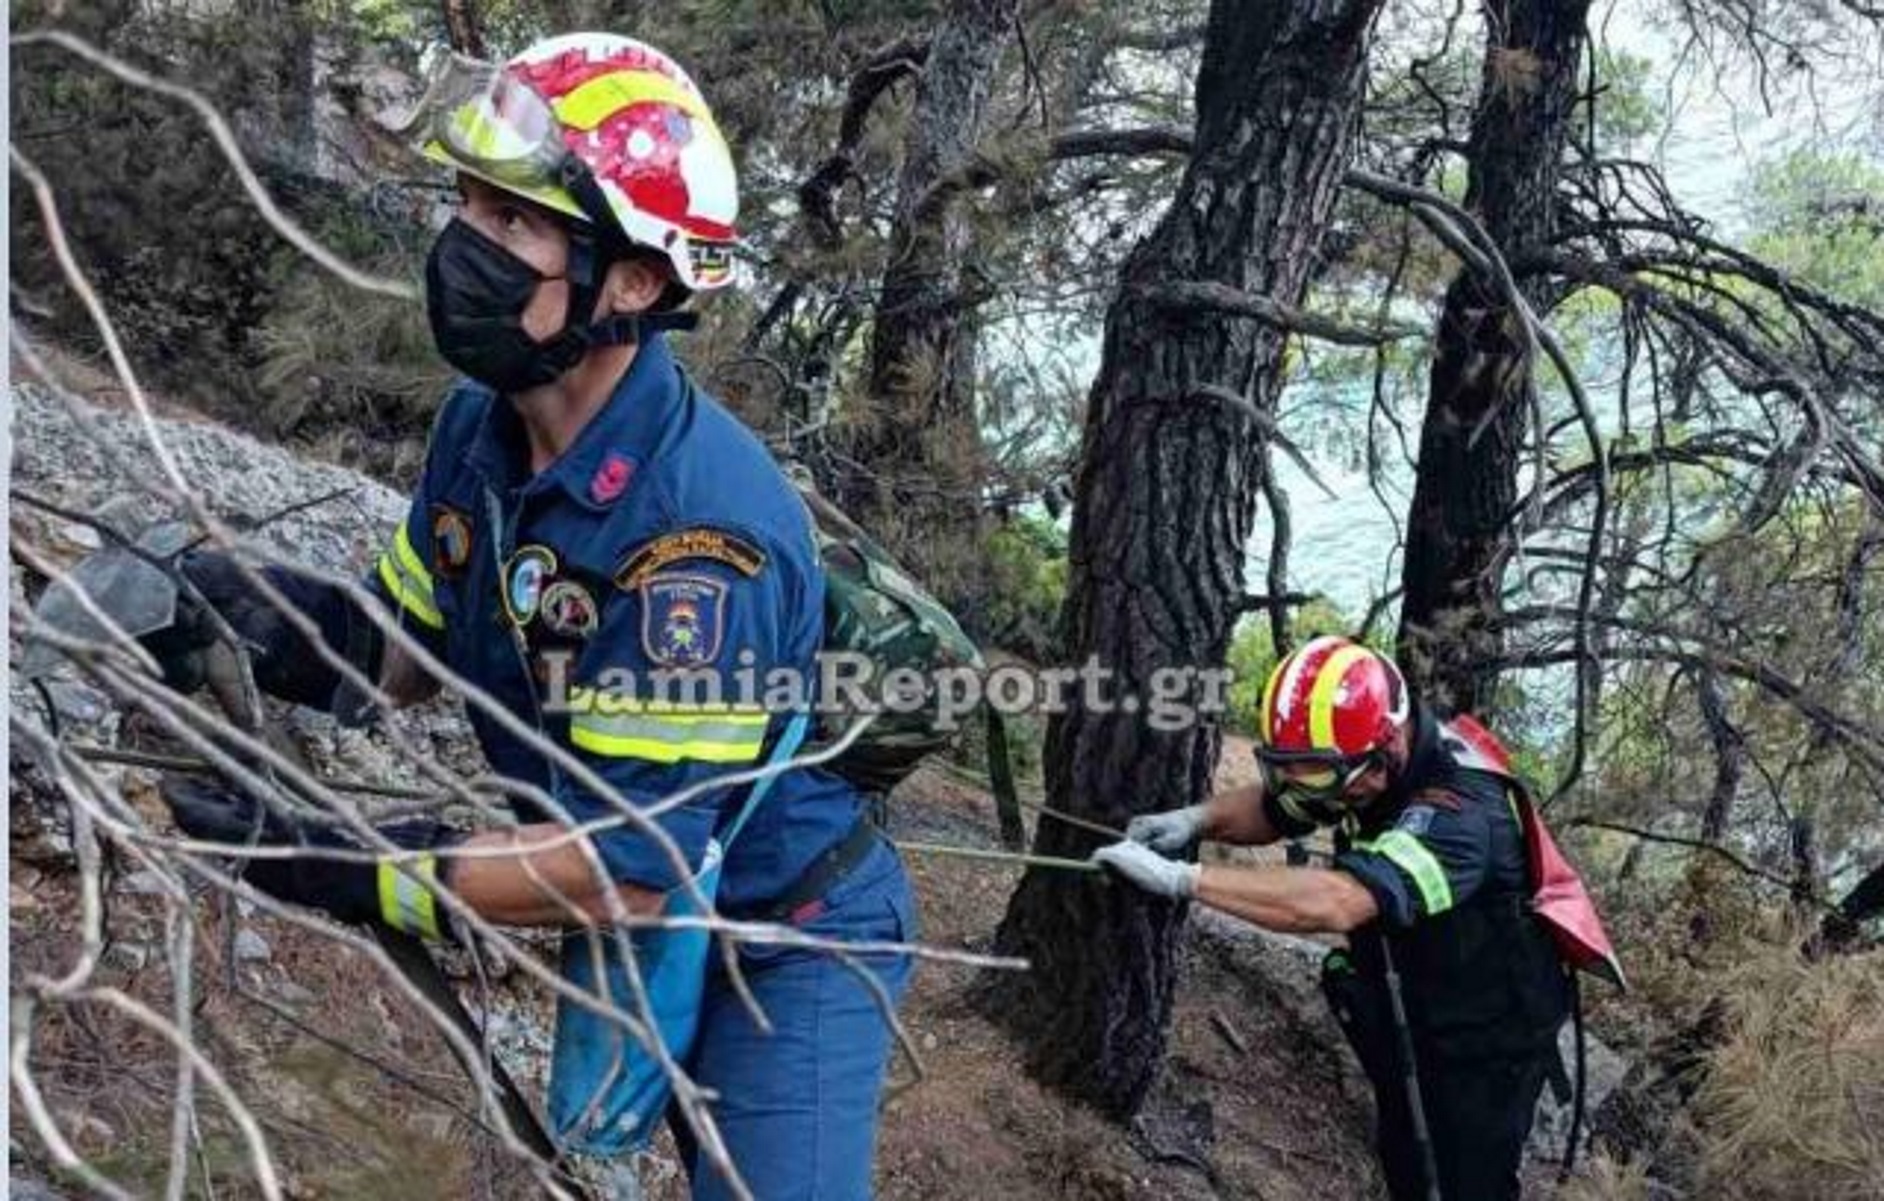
<point x="588" y="520"/>
<point x="1430" y="882"/>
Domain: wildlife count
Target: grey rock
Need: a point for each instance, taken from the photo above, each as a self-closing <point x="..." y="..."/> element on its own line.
<point x="251" y="947"/>
<point x="1604" y="1072"/>
<point x="78" y="702"/>
<point x="129" y="956"/>
<point x="290" y="993"/>
<point x="142" y="883"/>
<point x="619" y="1182"/>
<point x="82" y="536"/>
<point x="28" y="1188"/>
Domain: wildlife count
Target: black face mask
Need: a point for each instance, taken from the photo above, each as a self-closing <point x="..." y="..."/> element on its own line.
<point x="476" y="292"/>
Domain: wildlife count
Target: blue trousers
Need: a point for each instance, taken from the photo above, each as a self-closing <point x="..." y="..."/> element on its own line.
<point x="798" y="1108"/>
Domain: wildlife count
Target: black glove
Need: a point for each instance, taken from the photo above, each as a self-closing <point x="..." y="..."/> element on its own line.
<point x="357" y="893"/>
<point x="286" y="664"/>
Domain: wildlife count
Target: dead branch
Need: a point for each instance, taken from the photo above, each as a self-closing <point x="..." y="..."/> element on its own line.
<point x="1210" y="298"/>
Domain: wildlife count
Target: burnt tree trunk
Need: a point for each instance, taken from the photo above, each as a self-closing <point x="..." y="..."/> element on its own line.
<point x="918" y="454"/>
<point x="1458" y="527"/>
<point x="1165" y="501"/>
<point x="1843" y="930"/>
<point x="1730" y="757"/>
<point x="1730" y="762"/>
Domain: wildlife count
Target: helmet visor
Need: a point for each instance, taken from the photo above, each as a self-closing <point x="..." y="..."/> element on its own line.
<point x="1323" y="778"/>
<point x="489" y="121"/>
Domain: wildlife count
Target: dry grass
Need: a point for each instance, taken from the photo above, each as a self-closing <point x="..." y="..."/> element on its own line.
<point x="1603" y="1179"/>
<point x="1793" y="1103"/>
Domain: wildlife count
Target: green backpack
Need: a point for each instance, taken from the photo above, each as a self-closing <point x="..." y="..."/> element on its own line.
<point x="874" y="609"/>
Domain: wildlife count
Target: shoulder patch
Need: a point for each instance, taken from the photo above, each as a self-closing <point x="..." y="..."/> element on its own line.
<point x="698" y="542"/>
<point x="451" y="541"/>
<point x="1416" y="819"/>
<point x="683" y="619"/>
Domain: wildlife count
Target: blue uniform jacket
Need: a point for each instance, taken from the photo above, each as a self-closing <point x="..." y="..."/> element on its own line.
<point x="664" y="540"/>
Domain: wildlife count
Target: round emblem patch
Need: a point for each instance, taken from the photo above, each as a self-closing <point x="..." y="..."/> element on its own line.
<point x="568" y="610"/>
<point x="525" y="576"/>
<point x="451" y="540"/>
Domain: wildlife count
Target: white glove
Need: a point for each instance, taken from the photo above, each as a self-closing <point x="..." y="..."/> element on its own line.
<point x="1169" y="832"/>
<point x="1148" y="869"/>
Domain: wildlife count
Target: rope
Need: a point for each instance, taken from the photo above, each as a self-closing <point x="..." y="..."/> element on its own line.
<point x="1013" y="857"/>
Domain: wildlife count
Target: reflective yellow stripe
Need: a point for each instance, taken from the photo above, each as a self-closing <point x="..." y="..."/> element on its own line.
<point x="408" y="904"/>
<point x="407" y="594"/>
<point x="609" y="722"/>
<point x="604" y="736"/>
<point x="1410" y="855"/>
<point x="587" y="106"/>
<point x="409" y="560"/>
<point x="1321" y="699"/>
<point x="405" y="577"/>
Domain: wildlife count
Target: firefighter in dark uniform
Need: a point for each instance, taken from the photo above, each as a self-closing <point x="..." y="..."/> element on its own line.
<point x="588" y="519"/>
<point x="1431" y="885"/>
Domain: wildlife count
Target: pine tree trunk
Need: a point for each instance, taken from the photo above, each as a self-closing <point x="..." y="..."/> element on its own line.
<point x="1458" y="528"/>
<point x="919" y="453"/>
<point x="1166" y="497"/>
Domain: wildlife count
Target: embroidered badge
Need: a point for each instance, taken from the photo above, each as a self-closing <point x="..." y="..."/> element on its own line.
<point x="568" y="610"/>
<point x="525" y="576"/>
<point x="1416" y="820"/>
<point x="683" y="619"/>
<point x="451" y="540"/>
<point x="699" y="542"/>
<point x="611" y="479"/>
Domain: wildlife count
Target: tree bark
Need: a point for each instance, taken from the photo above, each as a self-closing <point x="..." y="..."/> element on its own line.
<point x="1166" y="498"/>
<point x="1730" y="761"/>
<point x="462" y="29"/>
<point x="918" y="455"/>
<point x="1457" y="535"/>
<point x="1843" y="930"/>
<point x="1730" y="757"/>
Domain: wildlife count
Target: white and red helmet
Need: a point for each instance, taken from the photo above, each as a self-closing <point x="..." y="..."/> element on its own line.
<point x="1329" y="712"/>
<point x="603" y="128"/>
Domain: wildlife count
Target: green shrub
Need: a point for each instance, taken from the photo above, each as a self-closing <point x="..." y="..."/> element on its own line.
<point x="1024" y="588"/>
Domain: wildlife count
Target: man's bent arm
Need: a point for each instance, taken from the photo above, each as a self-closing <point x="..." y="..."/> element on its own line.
<point x="1236" y="816"/>
<point x="1294" y="900"/>
<point x="522" y="888"/>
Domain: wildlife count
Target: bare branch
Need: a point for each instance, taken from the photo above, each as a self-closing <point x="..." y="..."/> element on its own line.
<point x="1205" y="296"/>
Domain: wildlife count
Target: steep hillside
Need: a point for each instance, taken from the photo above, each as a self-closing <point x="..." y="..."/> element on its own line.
<point x="1260" y="1098"/>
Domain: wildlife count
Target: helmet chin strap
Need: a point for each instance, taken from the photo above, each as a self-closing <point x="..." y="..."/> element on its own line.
<point x="584" y="273"/>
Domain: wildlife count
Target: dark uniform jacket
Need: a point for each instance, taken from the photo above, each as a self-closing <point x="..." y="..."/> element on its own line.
<point x="1442" y="854"/>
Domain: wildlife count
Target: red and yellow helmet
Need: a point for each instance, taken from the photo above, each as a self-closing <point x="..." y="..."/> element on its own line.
<point x="602" y="128"/>
<point x="1329" y="711"/>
